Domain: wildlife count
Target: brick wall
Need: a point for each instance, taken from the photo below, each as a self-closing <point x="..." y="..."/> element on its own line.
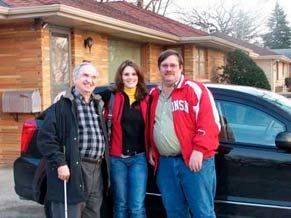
<point x="215" y="59"/>
<point x="20" y="69"/>
<point x="189" y="61"/>
<point x="152" y="53"/>
<point x="45" y="80"/>
<point x="98" y="55"/>
<point x="25" y="65"/>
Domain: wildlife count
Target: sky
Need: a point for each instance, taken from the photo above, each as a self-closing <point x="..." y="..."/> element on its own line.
<point x="261" y="7"/>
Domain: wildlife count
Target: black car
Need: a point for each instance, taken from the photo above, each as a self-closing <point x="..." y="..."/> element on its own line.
<point x="253" y="161"/>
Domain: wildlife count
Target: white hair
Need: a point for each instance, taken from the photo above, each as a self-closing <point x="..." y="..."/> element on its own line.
<point x="77" y="69"/>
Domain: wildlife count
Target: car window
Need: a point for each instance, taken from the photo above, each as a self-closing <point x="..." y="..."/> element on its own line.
<point x="279" y="100"/>
<point x="245" y="124"/>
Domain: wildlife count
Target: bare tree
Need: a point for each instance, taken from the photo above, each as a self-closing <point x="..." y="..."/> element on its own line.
<point x="158" y="6"/>
<point x="246" y="26"/>
<point x="213" y="19"/>
<point x="231" y="21"/>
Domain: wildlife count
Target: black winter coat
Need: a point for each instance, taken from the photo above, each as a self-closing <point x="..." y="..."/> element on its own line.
<point x="59" y="130"/>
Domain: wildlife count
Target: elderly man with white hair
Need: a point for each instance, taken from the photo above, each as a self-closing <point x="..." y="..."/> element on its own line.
<point x="73" y="138"/>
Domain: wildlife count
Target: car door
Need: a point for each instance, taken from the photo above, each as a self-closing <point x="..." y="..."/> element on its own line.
<point x="253" y="175"/>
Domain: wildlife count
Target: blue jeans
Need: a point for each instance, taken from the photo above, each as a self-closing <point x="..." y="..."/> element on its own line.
<point x="129" y="180"/>
<point x="183" y="190"/>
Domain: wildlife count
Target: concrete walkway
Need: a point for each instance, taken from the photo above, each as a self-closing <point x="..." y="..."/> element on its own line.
<point x="11" y="206"/>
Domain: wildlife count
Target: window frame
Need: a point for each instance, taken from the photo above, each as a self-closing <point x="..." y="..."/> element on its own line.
<point x="139" y="62"/>
<point x="198" y="62"/>
<point x="61" y="31"/>
<point x="261" y="109"/>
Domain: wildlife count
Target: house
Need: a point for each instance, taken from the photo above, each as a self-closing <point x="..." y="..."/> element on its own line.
<point x="42" y="40"/>
<point x="276" y="65"/>
<point x="284" y="51"/>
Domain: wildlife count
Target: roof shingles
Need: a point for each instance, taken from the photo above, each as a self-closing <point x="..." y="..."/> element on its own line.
<point x="156" y="21"/>
<point x="259" y="50"/>
<point x="120" y="10"/>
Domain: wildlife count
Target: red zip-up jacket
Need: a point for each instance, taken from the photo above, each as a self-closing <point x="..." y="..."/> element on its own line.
<point x="195" y="117"/>
<point x="116" y="129"/>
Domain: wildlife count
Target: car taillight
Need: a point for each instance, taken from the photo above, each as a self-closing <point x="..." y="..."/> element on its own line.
<point x="28" y="130"/>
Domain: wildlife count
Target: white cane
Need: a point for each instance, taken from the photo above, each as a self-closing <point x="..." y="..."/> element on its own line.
<point x="65" y="193"/>
<point x="65" y="199"/>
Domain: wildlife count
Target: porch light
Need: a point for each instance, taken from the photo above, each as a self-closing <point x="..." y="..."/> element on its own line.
<point x="88" y="42"/>
<point x="39" y="22"/>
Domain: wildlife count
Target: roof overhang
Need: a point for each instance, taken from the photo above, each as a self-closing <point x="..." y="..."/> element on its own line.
<point x="280" y="58"/>
<point x="67" y="16"/>
<point x="3" y="13"/>
<point x="216" y="43"/>
<point x="63" y="15"/>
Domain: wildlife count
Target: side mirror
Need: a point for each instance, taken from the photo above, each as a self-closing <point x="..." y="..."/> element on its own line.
<point x="283" y="141"/>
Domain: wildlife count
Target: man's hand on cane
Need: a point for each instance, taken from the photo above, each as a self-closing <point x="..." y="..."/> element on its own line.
<point x="64" y="173"/>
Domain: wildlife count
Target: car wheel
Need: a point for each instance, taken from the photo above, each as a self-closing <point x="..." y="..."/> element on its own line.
<point x="47" y="209"/>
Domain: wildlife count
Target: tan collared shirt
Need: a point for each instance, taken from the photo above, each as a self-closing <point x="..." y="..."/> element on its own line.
<point x="164" y="132"/>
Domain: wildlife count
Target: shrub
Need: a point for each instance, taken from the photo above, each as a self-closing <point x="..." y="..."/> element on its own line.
<point x="242" y="70"/>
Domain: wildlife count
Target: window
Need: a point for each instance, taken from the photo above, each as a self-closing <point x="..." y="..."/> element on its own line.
<point x="59" y="61"/>
<point x="245" y="124"/>
<point x="277" y="70"/>
<point x="118" y="51"/>
<point x="177" y="49"/>
<point x="283" y="70"/>
<point x="200" y="62"/>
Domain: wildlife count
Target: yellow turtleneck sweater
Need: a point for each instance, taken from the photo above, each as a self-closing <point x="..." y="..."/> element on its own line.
<point x="130" y="93"/>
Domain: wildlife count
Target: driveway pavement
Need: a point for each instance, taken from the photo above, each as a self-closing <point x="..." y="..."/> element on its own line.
<point x="10" y="204"/>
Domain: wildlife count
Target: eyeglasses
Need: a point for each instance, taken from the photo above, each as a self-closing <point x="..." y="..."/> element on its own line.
<point x="172" y="66"/>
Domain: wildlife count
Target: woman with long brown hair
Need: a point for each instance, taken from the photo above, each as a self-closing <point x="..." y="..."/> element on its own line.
<point x="128" y="161"/>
